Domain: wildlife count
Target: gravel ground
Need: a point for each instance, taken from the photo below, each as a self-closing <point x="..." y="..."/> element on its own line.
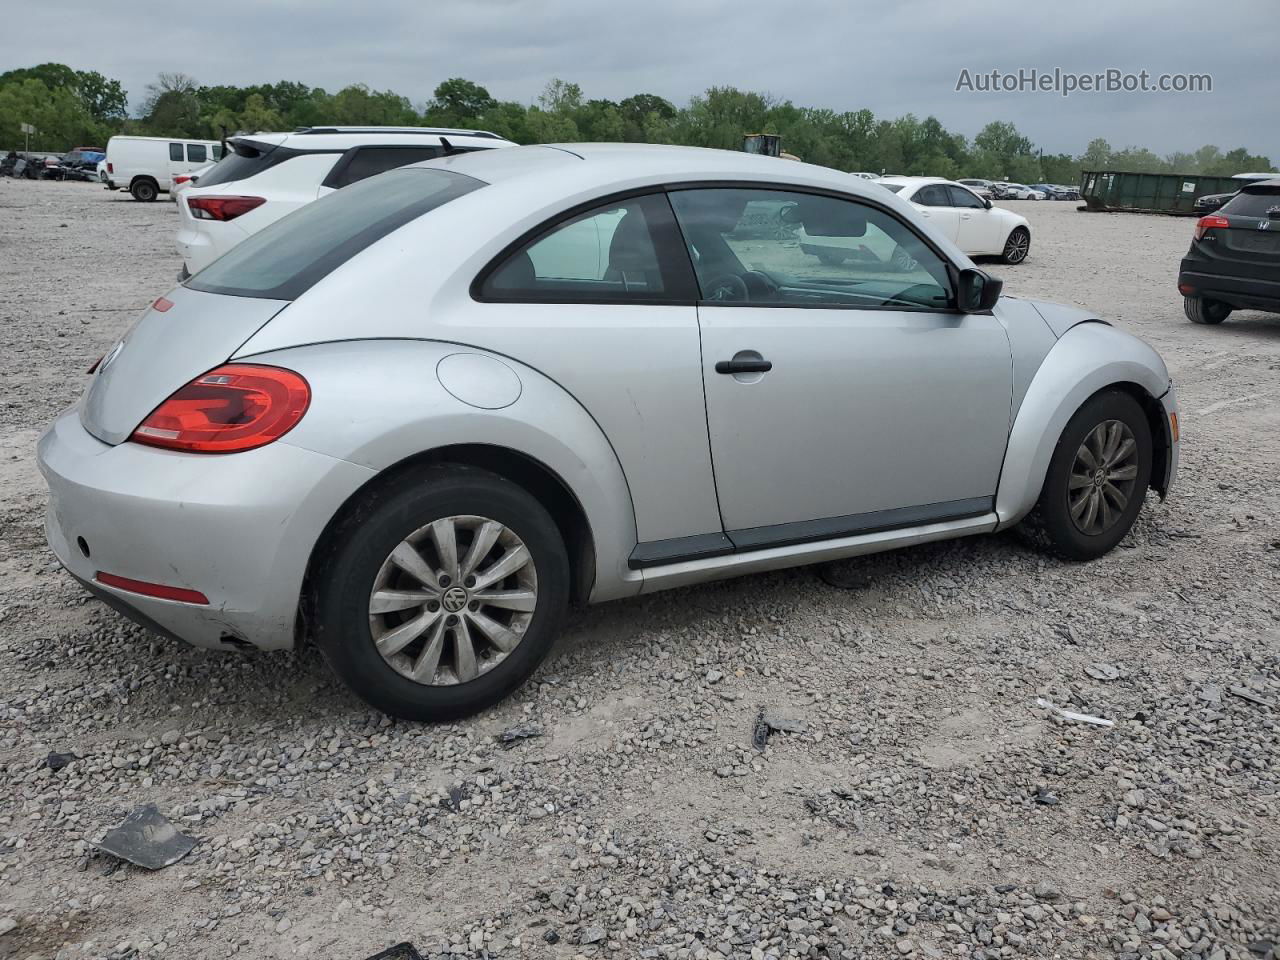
<point x="918" y="802"/>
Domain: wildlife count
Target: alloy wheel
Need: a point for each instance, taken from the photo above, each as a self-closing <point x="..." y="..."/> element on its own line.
<point x="1018" y="246"/>
<point x="1103" y="475"/>
<point x="453" y="600"/>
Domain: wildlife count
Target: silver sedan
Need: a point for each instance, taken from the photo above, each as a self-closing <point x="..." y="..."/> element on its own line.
<point x="416" y="419"/>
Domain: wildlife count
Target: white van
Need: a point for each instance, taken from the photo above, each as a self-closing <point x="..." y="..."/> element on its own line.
<point x="147" y="165"/>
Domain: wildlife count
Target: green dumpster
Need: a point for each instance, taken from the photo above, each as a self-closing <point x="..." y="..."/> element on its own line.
<point x="1176" y="193"/>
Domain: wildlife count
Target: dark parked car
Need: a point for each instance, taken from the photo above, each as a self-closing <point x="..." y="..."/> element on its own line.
<point x="1213" y="201"/>
<point x="1234" y="260"/>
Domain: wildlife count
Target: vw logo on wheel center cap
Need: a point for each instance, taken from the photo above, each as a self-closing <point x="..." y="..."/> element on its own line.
<point x="454" y="599"/>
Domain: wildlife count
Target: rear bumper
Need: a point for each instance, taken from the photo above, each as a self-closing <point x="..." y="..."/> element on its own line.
<point x="1242" y="292"/>
<point x="239" y="528"/>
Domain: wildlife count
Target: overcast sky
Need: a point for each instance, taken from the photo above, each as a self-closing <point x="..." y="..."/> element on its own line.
<point x="892" y="56"/>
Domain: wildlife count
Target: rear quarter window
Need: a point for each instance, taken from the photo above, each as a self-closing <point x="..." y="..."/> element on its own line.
<point x="285" y="259"/>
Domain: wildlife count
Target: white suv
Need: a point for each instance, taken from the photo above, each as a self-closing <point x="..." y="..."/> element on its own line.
<point x="267" y="175"/>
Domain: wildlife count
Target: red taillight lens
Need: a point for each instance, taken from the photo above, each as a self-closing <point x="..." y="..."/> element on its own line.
<point x="222" y="208"/>
<point x="1209" y="223"/>
<point x="111" y="168"/>
<point x="235" y="407"/>
<point x="180" y="179"/>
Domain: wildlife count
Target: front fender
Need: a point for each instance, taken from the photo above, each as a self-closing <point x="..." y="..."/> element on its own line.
<point x="377" y="403"/>
<point x="1087" y="358"/>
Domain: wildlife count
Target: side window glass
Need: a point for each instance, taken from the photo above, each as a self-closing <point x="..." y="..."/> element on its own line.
<point x="217" y="151"/>
<point x="196" y="153"/>
<point x="963" y="198"/>
<point x="778" y="248"/>
<point x="933" y="195"/>
<point x="175" y="152"/>
<point x="628" y="250"/>
<point x="369" y="161"/>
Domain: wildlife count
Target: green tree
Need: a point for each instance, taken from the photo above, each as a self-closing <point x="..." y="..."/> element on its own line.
<point x="60" y="117"/>
<point x="256" y="115"/>
<point x="357" y="105"/>
<point x="105" y="99"/>
<point x="560" y="96"/>
<point x="642" y="112"/>
<point x="600" y="121"/>
<point x="459" y="103"/>
<point x="1097" y="156"/>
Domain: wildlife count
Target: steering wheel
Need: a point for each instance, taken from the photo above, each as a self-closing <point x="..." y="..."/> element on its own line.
<point x="760" y="286"/>
<point x="728" y="287"/>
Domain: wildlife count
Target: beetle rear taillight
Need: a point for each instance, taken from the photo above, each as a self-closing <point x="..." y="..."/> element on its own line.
<point x="236" y="407"/>
<point x="222" y="208"/>
<point x="1211" y="222"/>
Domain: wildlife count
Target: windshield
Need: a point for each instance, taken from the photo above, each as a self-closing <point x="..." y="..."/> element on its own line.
<point x="285" y="259"/>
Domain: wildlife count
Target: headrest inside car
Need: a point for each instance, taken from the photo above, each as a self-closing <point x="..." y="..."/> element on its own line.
<point x="830" y="218"/>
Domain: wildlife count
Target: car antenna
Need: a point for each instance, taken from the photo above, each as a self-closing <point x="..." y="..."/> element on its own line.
<point x="449" y="148"/>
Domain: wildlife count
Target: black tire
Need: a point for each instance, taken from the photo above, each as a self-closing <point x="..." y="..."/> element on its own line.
<point x="1049" y="526"/>
<point x="1200" y="310"/>
<point x="364" y="540"/>
<point x="831" y="259"/>
<point x="144" y="190"/>
<point x="1017" y="246"/>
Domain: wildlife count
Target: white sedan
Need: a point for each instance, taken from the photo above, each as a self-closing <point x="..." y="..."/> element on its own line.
<point x="972" y="223"/>
<point x="1020" y="191"/>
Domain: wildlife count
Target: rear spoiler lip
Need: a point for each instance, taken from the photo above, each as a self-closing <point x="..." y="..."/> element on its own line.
<point x="259" y="147"/>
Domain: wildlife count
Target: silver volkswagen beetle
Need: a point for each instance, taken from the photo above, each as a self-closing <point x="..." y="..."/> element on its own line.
<point x="418" y="418"/>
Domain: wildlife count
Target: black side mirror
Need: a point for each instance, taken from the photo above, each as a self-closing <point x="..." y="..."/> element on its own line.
<point x="790" y="215"/>
<point x="977" y="292"/>
<point x="986" y="202"/>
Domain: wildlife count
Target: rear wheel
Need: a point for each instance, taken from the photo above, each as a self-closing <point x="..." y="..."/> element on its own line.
<point x="144" y="190"/>
<point x="1200" y="310"/>
<point x="1097" y="479"/>
<point x="444" y="593"/>
<point x="1017" y="246"/>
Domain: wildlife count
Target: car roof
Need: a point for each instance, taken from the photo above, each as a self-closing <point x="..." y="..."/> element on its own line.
<point x="917" y="180"/>
<point x="599" y="164"/>
<point x="1260" y="185"/>
<point x="340" y="138"/>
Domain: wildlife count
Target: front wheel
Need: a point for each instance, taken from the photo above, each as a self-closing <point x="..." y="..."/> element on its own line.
<point x="1097" y="479"/>
<point x="1200" y="310"/>
<point x="444" y="593"/>
<point x="1017" y="246"/>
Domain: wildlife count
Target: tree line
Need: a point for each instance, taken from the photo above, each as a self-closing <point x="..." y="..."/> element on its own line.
<point x="72" y="108"/>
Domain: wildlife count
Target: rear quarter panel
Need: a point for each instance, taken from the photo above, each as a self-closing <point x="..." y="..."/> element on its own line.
<point x="377" y="403"/>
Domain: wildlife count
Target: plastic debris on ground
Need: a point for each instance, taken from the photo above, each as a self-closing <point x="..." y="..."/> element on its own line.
<point x="148" y="839"/>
